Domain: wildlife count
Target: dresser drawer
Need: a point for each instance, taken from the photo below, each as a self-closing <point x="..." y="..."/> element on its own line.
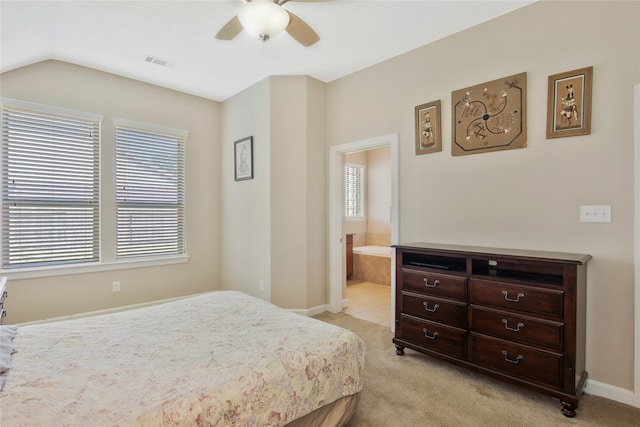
<point x="517" y="360"/>
<point x="516" y="327"/>
<point x="435" y="284"/>
<point x="433" y="336"/>
<point x="444" y="311"/>
<point x="535" y="300"/>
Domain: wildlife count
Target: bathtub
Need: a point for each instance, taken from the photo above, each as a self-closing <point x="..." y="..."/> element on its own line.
<point x="383" y="251"/>
<point x="372" y="264"/>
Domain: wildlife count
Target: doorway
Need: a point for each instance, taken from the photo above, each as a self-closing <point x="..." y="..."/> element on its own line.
<point x="337" y="268"/>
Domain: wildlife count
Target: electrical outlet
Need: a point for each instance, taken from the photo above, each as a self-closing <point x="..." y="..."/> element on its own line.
<point x="595" y="213"/>
<point x="115" y="286"/>
<point x="262" y="285"/>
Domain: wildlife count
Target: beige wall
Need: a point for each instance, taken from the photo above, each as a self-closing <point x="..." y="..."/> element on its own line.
<point x="69" y="86"/>
<point x="525" y="198"/>
<point x="246" y="205"/>
<point x="379" y="197"/>
<point x="274" y="226"/>
<point x="317" y="204"/>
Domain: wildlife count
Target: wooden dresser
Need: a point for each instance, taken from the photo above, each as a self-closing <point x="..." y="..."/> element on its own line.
<point x="513" y="314"/>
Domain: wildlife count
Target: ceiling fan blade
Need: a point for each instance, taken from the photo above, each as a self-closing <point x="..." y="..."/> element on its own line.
<point x="230" y="29"/>
<point x="299" y="30"/>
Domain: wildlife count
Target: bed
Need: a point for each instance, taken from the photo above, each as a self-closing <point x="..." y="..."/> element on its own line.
<point x="221" y="358"/>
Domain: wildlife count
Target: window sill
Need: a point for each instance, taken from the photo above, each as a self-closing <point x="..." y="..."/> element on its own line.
<point x="36" y="272"/>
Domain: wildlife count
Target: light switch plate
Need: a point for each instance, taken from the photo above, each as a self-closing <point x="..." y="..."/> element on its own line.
<point x="595" y="213"/>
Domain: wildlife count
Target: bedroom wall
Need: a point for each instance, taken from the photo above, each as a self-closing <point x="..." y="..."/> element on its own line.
<point x="70" y="86"/>
<point x="274" y="225"/>
<point x="246" y="205"/>
<point x="317" y="224"/>
<point x="524" y="198"/>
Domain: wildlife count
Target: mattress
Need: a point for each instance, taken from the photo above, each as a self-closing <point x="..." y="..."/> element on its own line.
<point x="222" y="358"/>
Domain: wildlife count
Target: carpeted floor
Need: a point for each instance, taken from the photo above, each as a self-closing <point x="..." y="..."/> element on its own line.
<point x="417" y="390"/>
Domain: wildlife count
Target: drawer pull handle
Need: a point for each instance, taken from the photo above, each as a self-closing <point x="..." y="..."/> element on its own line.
<point x="432" y="310"/>
<point x="516" y="299"/>
<point x="431" y="337"/>
<point x="517" y="359"/>
<point x="516" y="329"/>
<point x="429" y="285"/>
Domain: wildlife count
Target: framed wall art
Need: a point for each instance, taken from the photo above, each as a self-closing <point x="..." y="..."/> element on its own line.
<point x="243" y="158"/>
<point x="490" y="117"/>
<point x="569" y="103"/>
<point x="428" y="129"/>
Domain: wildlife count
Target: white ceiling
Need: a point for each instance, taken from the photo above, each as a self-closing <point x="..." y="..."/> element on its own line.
<point x="117" y="36"/>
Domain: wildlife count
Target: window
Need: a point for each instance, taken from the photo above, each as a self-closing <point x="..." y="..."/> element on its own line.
<point x="50" y="186"/>
<point x="354" y="191"/>
<point x="149" y="190"/>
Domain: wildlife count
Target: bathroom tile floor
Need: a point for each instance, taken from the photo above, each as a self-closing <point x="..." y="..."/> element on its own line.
<point x="369" y="301"/>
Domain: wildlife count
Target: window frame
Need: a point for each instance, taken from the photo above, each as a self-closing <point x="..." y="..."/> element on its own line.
<point x="107" y="260"/>
<point x="362" y="172"/>
<point x="159" y="131"/>
<point x="63" y="186"/>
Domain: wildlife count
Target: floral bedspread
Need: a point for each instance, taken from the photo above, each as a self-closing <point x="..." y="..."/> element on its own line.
<point x="222" y="358"/>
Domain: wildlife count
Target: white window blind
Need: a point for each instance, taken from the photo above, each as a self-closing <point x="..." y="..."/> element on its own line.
<point x="353" y="191"/>
<point x="149" y="190"/>
<point x="50" y="186"/>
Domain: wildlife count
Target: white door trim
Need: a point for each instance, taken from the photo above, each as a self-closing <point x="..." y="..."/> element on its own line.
<point x="337" y="271"/>
<point x="636" y="138"/>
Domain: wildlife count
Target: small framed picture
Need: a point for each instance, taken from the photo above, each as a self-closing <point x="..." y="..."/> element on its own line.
<point x="428" y="132"/>
<point x="569" y="103"/>
<point x="243" y="159"/>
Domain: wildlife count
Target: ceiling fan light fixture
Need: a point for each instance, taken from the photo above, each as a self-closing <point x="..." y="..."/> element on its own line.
<point x="263" y="19"/>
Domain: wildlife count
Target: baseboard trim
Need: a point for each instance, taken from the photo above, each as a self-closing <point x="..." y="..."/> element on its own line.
<point x="608" y="391"/>
<point x="107" y="310"/>
<point x="310" y="312"/>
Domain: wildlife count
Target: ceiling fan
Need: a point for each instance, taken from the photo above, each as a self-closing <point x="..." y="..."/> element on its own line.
<point x="266" y="19"/>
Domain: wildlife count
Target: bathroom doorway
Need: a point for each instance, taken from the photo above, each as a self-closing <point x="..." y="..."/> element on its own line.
<point x="367" y="227"/>
<point x="337" y="247"/>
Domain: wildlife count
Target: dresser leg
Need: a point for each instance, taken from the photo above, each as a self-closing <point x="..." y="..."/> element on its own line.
<point x="399" y="350"/>
<point x="568" y="409"/>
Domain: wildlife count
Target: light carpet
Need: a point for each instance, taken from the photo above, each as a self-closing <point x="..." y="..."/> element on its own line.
<point x="418" y="390"/>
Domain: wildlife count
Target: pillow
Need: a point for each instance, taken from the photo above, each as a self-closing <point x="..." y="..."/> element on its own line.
<point x="7" y="332"/>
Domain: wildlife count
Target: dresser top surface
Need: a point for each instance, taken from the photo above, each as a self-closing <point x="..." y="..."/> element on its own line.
<point x="463" y="250"/>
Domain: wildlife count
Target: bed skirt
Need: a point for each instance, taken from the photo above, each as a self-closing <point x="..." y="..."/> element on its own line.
<point x="335" y="414"/>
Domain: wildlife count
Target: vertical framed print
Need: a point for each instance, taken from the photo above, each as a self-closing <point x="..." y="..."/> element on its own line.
<point x="569" y="103"/>
<point x="243" y="159"/>
<point x="428" y="131"/>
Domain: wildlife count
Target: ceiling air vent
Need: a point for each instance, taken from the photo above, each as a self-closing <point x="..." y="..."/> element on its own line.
<point x="159" y="61"/>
